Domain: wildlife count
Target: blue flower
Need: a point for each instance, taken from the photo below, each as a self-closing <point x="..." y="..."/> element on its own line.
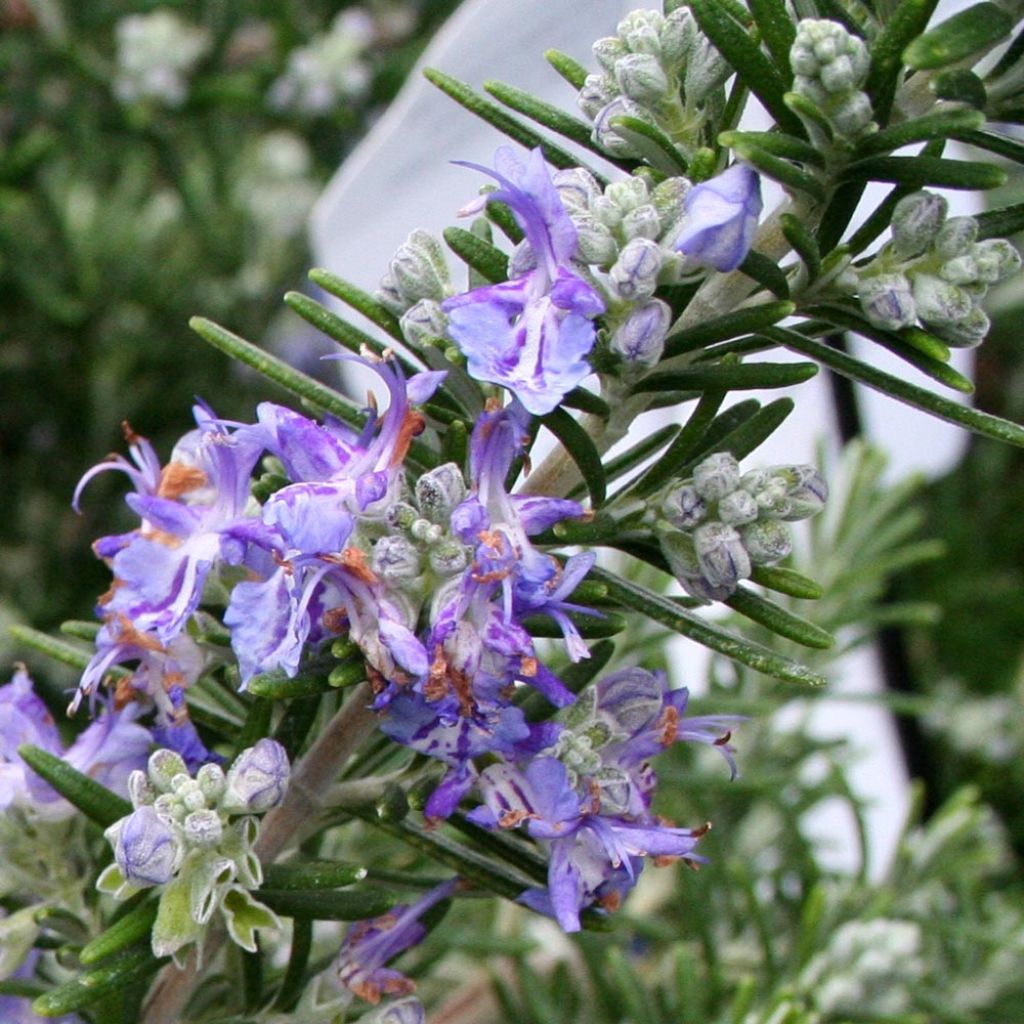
<point x="721" y="218"/>
<point x="531" y="334"/>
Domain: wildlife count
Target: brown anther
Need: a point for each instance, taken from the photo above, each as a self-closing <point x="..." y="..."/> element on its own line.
<point x="492" y="405"/>
<point x="129" y="435"/>
<point x="282" y="563"/>
<point x="510" y="819"/>
<point x="335" y="620"/>
<point x="494" y="576"/>
<point x="528" y="666"/>
<point x="169" y="540"/>
<point x="669" y="725"/>
<point x="663" y="860"/>
<point x="171" y="680"/>
<point x="124" y="693"/>
<point x="412" y="426"/>
<point x="128" y="634"/>
<point x="354" y="559"/>
<point x="611" y="901"/>
<point x="493" y="539"/>
<point x="177" y="479"/>
<point x="108" y="595"/>
<point x="702" y="831"/>
<point x="377" y="682"/>
<point x="723" y="740"/>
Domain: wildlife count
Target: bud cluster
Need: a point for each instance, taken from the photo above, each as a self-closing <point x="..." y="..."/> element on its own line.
<point x="418" y="271"/>
<point x="830" y="65"/>
<point x="724" y="523"/>
<point x="934" y="270"/>
<point x="657" y="68"/>
<point x="185" y="834"/>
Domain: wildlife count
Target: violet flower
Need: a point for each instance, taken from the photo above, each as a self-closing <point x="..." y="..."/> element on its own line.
<point x="531" y="334"/>
<point x="721" y="218"/>
<point x="369" y="945"/>
<point x="108" y="750"/>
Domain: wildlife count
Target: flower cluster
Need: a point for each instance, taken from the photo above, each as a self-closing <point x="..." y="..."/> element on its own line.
<point x="934" y="270"/>
<point x="587" y="797"/>
<point x="659" y="69"/>
<point x="724" y="523"/>
<point x="193" y="837"/>
<point x="830" y="64"/>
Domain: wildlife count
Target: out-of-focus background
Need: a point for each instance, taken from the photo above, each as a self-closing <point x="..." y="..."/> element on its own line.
<point x="160" y="160"/>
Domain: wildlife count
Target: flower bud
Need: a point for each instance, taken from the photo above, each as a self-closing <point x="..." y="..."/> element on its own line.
<point x="140" y="790"/>
<point x="716" y="476"/>
<point x="961" y="270"/>
<point x="635" y="272"/>
<point x="940" y="303"/>
<point x="419" y="269"/>
<point x="396" y="560"/>
<point x="738" y="508"/>
<point x="595" y="244"/>
<point x="668" y="200"/>
<point x="956" y="237"/>
<point x="203" y="828"/>
<point x="607" y="136"/>
<point x="996" y="259"/>
<point x="967" y="332"/>
<point x="723" y="558"/>
<point x="162" y="768"/>
<point x="640" y="30"/>
<point x="145" y="848"/>
<point x="191" y="796"/>
<point x="643" y="222"/>
<point x="641" y="78"/>
<point x="677" y="36"/>
<point x="609" y="50"/>
<point x="916" y="220"/>
<point x="448" y="558"/>
<point x="577" y="188"/>
<point x="767" y="541"/>
<point x="424" y="321"/>
<point x="439" y="491"/>
<point x="257" y="780"/>
<point x="685" y="508"/>
<point x="852" y="116"/>
<point x="597" y="92"/>
<point x="640" y="339"/>
<point x="808" y="492"/>
<point x="425" y="531"/>
<point x="706" y="70"/>
<point x="887" y="301"/>
<point x="401" y="515"/>
<point x="210" y="779"/>
<point x="721" y="218"/>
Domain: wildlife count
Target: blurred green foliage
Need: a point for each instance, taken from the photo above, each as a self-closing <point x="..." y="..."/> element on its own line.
<point x="156" y="161"/>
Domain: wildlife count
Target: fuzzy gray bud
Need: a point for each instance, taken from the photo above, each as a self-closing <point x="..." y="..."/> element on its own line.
<point x="607" y="136"/>
<point x="448" y="558"/>
<point x="145" y="848"/>
<point x="439" y="491"/>
<point x="996" y="260"/>
<point x="419" y="269"/>
<point x="609" y="50"/>
<point x="424" y="321"/>
<point x="640" y="30"/>
<point x="642" y="222"/>
<point x="396" y="560"/>
<point x="956" y="237"/>
<point x="203" y="828"/>
<point x="677" y="36"/>
<point x="641" y="78"/>
<point x="257" y="779"/>
<point x="916" y="220"/>
<point x="210" y="779"/>
<point x="640" y="339"/>
<point x="162" y="768"/>
<point x="967" y="332"/>
<point x="738" y="508"/>
<point x="685" y="508"/>
<point x="577" y="188"/>
<point x="767" y="541"/>
<point x="635" y="272"/>
<point x="597" y="92"/>
<point x="887" y="301"/>
<point x="595" y="244"/>
<point x="940" y="303"/>
<point x="723" y="558"/>
<point x="716" y="476"/>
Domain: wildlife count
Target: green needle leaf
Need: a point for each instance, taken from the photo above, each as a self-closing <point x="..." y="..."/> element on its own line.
<point x="105" y="979"/>
<point x="94" y="800"/>
<point x="780" y="169"/>
<point x="922" y="129"/>
<point x="313" y="874"/>
<point x="359" y="300"/>
<point x="804" y="244"/>
<point x="973" y="419"/>
<point x="60" y="650"/>
<point x="775" y="143"/>
<point x="571" y="70"/>
<point x="787" y="581"/>
<point x="487" y="260"/>
<point x="746" y="376"/>
<point x="752" y="66"/>
<point x="278" y="686"/>
<point x="328" y="904"/>
<point x="652" y="142"/>
<point x="999" y="223"/>
<point x="126" y="931"/>
<point x="965" y="33"/>
<point x="673" y="616"/>
<point x="778" y="620"/>
<point x="777" y="31"/>
<point x="766" y="273"/>
<point x="923" y="171"/>
<point x="578" y="444"/>
<point x="904" y="24"/>
<point x="730" y="325"/>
